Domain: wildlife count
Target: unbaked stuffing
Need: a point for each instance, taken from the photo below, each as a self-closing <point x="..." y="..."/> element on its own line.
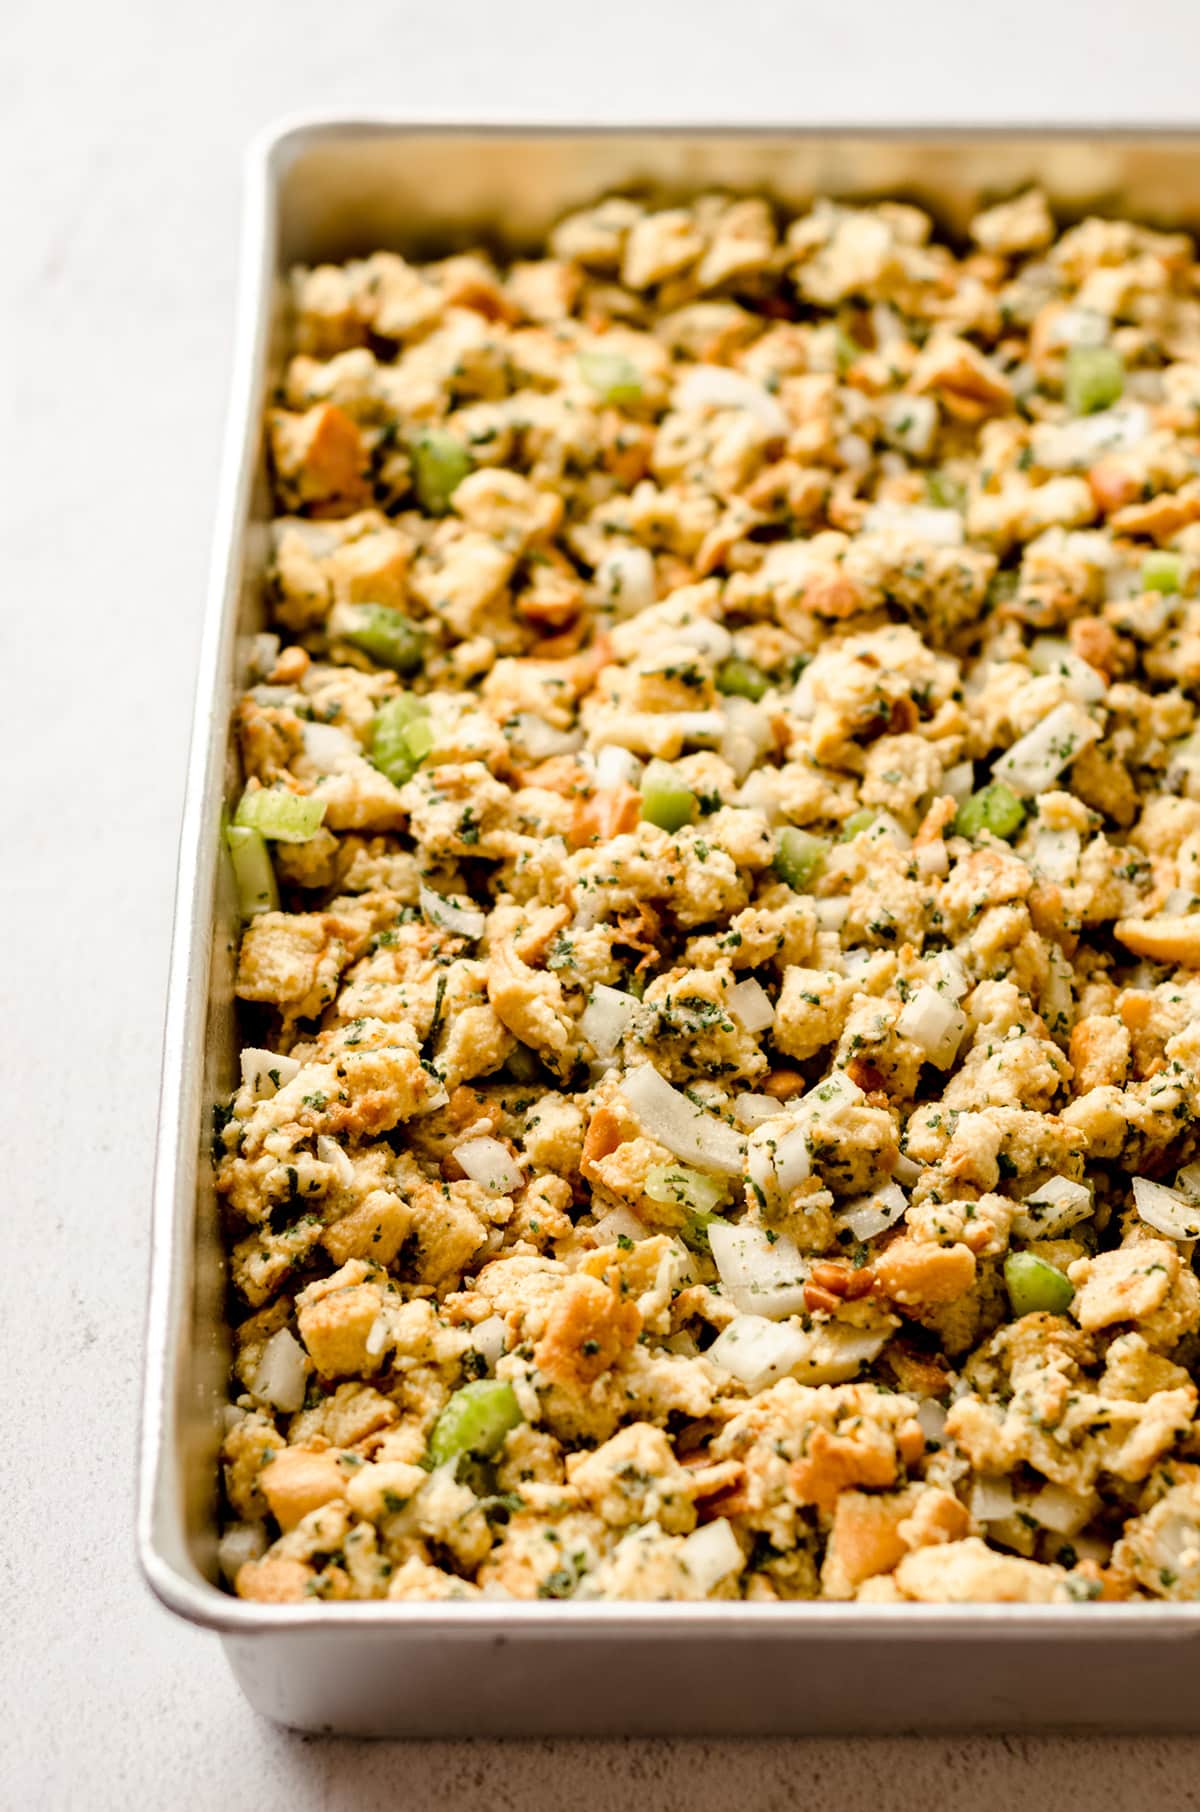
<point x="720" y="862"/>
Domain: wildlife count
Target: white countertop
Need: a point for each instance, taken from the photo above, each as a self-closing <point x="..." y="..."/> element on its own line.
<point x="122" y="129"/>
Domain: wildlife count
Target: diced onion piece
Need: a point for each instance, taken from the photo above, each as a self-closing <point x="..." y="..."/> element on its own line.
<point x="885" y="828"/>
<point x="854" y="451"/>
<point x="707" y="728"/>
<point x="281" y="1376"/>
<point x="837" y="1350"/>
<point x="746" y="737"/>
<point x="619" y="1223"/>
<point x="869" y="1215"/>
<point x="711" y="1554"/>
<point x="488" y="1338"/>
<point x="328" y="747"/>
<point x="790" y="1161"/>
<point x="933" y="858"/>
<point x="935" y="1023"/>
<point x="959" y="780"/>
<point x="758" y="1352"/>
<point x="379" y="1334"/>
<point x="751" y="1005"/>
<point x="802" y="703"/>
<point x="1061" y="1511"/>
<point x="538" y="740"/>
<point x="760" y="1166"/>
<point x="264" y="652"/>
<point x="711" y="638"/>
<point x="991" y="1500"/>
<point x="1054" y="654"/>
<point x="949" y="976"/>
<point x="910" y="423"/>
<point x="1058" y="999"/>
<point x="1188" y="1182"/>
<point x="906" y="1170"/>
<point x="752" y="1110"/>
<point x="1077" y="327"/>
<point x="763" y="1276"/>
<point x="1054" y="1205"/>
<point x="490" y="1164"/>
<point x="241" y="1542"/>
<point x="463" y="921"/>
<point x="1185" y="760"/>
<point x="284" y="817"/>
<point x="1070" y="446"/>
<point x="607" y="1018"/>
<point x="330" y="1152"/>
<point x="784" y="1162"/>
<point x="1035" y="761"/>
<point x="717" y="387"/>
<point x="1166" y="1210"/>
<point x="932" y="1417"/>
<point x="697" y="1137"/>
<point x="625" y="579"/>
<point x="616" y="767"/>
<point x="759" y="793"/>
<point x="266" y="1071"/>
<point x="833" y="911"/>
<point x="676" y="1268"/>
<point x="915" y="522"/>
<point x="1056" y="853"/>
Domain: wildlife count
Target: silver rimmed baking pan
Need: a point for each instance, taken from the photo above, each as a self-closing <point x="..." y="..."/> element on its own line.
<point x="335" y="188"/>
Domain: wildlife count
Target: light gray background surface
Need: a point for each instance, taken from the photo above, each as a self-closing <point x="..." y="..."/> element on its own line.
<point x="121" y="128"/>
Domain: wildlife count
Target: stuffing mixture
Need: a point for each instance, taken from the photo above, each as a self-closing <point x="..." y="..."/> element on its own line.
<point x="720" y="862"/>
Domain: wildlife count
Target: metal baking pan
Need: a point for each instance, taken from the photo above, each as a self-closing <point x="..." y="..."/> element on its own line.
<point x="328" y="189"/>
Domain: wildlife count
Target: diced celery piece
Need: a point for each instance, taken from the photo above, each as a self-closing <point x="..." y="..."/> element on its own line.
<point x="944" y="492"/>
<point x="742" y="679"/>
<point x="856" y="824"/>
<point x="252" y="871"/>
<point x="1034" y="1285"/>
<point x="691" y="1189"/>
<point x="285" y="817"/>
<point x="401" y="737"/>
<point x="666" y="801"/>
<point x="694" y="1232"/>
<point x="440" y="463"/>
<point x="475" y="1421"/>
<point x="1162" y="571"/>
<point x="995" y="808"/>
<point x="387" y="635"/>
<point x="846" y="351"/>
<point x="1094" y="378"/>
<point x="799" y="857"/>
<point x="613" y="377"/>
